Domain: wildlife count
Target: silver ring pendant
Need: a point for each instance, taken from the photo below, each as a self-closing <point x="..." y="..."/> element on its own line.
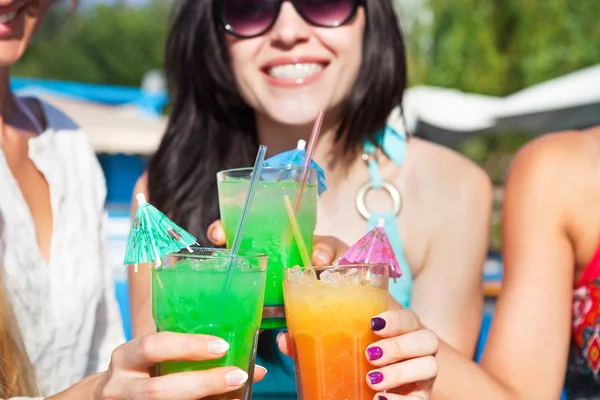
<point x="388" y="187"/>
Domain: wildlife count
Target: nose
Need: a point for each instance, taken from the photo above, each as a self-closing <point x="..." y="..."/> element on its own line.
<point x="289" y="29"/>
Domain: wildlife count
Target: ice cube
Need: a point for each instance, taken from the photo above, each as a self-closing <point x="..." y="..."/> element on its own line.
<point x="187" y="264"/>
<point x="337" y="279"/>
<point x="351" y="278"/>
<point x="295" y="274"/>
<point x="309" y="277"/>
<point x="379" y="280"/>
<point x="326" y="277"/>
<point x="223" y="264"/>
<point x="242" y="264"/>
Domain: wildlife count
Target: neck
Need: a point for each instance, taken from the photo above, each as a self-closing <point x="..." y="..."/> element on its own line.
<point x="328" y="154"/>
<point x="6" y="102"/>
<point x="6" y="97"/>
<point x="11" y="112"/>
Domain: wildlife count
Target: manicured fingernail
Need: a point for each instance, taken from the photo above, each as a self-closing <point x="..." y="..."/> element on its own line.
<point x="217" y="346"/>
<point x="261" y="367"/>
<point x="236" y="377"/>
<point x="218" y="235"/>
<point x="322" y="256"/>
<point x="377" y="324"/>
<point x="375" y="377"/>
<point x="375" y="353"/>
<point x="381" y="398"/>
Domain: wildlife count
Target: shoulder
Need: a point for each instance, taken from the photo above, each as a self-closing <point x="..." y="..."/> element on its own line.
<point x="556" y="177"/>
<point x="570" y="158"/>
<point x="451" y="174"/>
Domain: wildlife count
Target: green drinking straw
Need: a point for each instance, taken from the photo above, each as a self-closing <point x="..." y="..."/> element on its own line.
<point x="297" y="231"/>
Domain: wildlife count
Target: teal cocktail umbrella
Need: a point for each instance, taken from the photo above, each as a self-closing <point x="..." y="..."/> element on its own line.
<point x="153" y="236"/>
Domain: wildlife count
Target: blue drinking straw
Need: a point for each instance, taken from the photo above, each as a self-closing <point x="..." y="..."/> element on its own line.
<point x="255" y="176"/>
<point x="237" y="241"/>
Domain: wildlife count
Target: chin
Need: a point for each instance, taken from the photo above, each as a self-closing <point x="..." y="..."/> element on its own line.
<point x="293" y="113"/>
<point x="293" y="118"/>
<point x="9" y="55"/>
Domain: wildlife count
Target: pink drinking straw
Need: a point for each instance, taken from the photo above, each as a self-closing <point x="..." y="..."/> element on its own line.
<point x="312" y="145"/>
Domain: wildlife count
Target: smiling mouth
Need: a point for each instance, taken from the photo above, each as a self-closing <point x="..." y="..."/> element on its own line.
<point x="295" y="71"/>
<point x="5" y="18"/>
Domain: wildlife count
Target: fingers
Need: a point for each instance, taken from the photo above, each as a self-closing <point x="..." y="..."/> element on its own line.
<point x="421" y="343"/>
<point x="327" y="249"/>
<point x="216" y="234"/>
<point x="405" y="358"/>
<point x="259" y="373"/>
<point x="144" y="352"/>
<point x="395" y="323"/>
<point x="284" y="341"/>
<point x="390" y="396"/>
<point x="410" y="372"/>
<point x="182" y="386"/>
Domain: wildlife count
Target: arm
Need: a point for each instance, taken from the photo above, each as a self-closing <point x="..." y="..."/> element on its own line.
<point x="448" y="295"/>
<point x="527" y="350"/>
<point x="139" y="282"/>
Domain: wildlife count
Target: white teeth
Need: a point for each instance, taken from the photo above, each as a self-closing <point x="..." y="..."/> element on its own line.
<point x="4" y="18"/>
<point x="295" y="71"/>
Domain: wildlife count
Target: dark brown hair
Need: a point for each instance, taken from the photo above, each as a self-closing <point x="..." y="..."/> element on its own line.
<point x="212" y="129"/>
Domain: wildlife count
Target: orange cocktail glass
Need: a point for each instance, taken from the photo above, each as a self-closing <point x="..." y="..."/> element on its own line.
<point x="328" y="311"/>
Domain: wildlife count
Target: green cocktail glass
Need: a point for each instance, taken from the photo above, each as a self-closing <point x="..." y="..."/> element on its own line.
<point x="268" y="228"/>
<point x="188" y="297"/>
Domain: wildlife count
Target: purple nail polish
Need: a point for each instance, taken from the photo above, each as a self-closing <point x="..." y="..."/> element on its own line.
<point x="375" y="353"/>
<point x="377" y="324"/>
<point x="381" y="398"/>
<point x="375" y="377"/>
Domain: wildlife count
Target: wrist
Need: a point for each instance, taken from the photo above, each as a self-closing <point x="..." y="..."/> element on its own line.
<point x="89" y="388"/>
<point x="97" y="385"/>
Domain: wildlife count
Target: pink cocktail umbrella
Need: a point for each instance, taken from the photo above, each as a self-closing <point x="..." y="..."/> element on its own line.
<point x="373" y="248"/>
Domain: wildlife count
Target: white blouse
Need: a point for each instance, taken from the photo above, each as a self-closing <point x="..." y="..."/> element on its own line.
<point x="66" y="309"/>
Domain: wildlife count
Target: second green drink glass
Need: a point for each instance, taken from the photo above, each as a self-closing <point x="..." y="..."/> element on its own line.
<point x="268" y="228"/>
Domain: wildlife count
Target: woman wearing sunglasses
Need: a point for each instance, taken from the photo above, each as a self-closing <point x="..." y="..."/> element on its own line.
<point x="244" y="72"/>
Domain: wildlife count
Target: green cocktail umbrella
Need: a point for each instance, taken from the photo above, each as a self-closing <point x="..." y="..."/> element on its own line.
<point x="153" y="236"/>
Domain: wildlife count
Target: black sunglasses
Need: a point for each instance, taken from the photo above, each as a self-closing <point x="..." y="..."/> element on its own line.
<point x="251" y="18"/>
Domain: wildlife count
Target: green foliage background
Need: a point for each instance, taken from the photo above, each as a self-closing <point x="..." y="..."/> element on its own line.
<point x="493" y="47"/>
<point x="100" y="44"/>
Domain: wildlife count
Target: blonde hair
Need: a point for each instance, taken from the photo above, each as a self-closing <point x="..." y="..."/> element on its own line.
<point x="17" y="377"/>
